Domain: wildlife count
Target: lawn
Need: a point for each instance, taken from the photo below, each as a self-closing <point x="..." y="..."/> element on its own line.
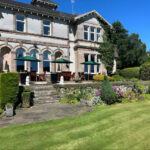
<point x="120" y="126"/>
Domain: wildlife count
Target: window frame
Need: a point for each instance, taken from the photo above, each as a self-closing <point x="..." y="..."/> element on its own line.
<point x="44" y="25"/>
<point x="92" y="32"/>
<point x="47" y="60"/>
<point x="98" y="34"/>
<point x="24" y="22"/>
<point x="86" y="32"/>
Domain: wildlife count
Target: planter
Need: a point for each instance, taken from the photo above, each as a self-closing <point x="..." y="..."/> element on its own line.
<point x="9" y="111"/>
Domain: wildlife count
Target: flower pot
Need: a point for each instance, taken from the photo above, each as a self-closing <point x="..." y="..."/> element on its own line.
<point x="9" y="111"/>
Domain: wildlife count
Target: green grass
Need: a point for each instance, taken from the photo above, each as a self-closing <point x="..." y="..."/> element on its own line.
<point x="120" y="126"/>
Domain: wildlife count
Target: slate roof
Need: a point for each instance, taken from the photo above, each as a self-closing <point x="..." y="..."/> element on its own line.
<point x="34" y="9"/>
<point x="45" y="1"/>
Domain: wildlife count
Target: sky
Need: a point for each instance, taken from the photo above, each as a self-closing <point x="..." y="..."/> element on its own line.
<point x="133" y="14"/>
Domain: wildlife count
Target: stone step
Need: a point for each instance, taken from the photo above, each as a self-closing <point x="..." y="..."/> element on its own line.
<point x="45" y="98"/>
<point x="45" y="102"/>
<point x="43" y="88"/>
<point x="45" y="92"/>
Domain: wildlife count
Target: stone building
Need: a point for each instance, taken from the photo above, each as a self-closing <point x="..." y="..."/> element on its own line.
<point x="40" y="31"/>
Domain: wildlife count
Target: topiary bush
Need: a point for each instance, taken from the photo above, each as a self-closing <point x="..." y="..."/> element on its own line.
<point x="145" y="71"/>
<point x="130" y="72"/>
<point x="9" y="88"/>
<point x="108" y="95"/>
<point x="26" y="98"/>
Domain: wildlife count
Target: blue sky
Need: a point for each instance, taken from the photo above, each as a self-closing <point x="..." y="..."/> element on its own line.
<point x="133" y="14"/>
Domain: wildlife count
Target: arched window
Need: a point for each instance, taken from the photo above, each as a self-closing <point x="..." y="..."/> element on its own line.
<point x="46" y="61"/>
<point x="34" y="65"/>
<point x="20" y="65"/>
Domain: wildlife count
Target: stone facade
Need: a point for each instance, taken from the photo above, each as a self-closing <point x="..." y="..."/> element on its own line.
<point x="65" y="38"/>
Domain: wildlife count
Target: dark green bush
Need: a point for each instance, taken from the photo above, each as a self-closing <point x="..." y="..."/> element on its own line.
<point x="70" y="96"/>
<point x="108" y="95"/>
<point x="145" y="71"/>
<point x="130" y="72"/>
<point x="9" y="88"/>
<point x="118" y="78"/>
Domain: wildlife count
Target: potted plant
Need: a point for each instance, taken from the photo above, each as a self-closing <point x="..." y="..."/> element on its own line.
<point x="26" y="98"/>
<point x="9" y="110"/>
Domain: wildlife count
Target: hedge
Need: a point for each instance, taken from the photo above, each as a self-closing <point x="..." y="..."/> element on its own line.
<point x="129" y="73"/>
<point x="145" y="71"/>
<point x="9" y="88"/>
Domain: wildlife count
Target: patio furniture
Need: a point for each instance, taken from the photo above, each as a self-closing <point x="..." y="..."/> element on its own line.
<point x="90" y="63"/>
<point x="82" y="76"/>
<point x="66" y="75"/>
<point x="33" y="76"/>
<point x="73" y="76"/>
<point x="42" y="77"/>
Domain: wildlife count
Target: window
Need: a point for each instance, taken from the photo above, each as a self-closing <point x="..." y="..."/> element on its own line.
<point x="98" y="34"/>
<point x="92" y="34"/>
<point x="92" y="66"/>
<point x="46" y="61"/>
<point x="34" y="65"/>
<point x="20" y="23"/>
<point x="46" y="27"/>
<point x="86" y="28"/>
<point x="20" y="65"/>
<point x="86" y="66"/>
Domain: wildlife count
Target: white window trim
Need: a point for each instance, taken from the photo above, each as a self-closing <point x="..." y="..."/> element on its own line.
<point x="95" y="33"/>
<point x="43" y="25"/>
<point x="20" y="21"/>
<point x="91" y="32"/>
<point x="98" y="34"/>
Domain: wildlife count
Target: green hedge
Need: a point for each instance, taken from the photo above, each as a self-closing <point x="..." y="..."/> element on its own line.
<point x="118" y="78"/>
<point x="145" y="71"/>
<point x="129" y="73"/>
<point x="9" y="88"/>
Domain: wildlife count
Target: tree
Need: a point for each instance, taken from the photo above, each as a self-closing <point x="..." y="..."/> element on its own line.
<point x="131" y="50"/>
<point x="107" y="54"/>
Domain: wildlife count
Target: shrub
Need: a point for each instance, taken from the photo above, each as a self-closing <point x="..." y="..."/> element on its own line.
<point x="134" y="79"/>
<point x="26" y="98"/>
<point x="70" y="96"/>
<point x="9" y="88"/>
<point x="148" y="90"/>
<point x="100" y="77"/>
<point x="145" y="71"/>
<point x="108" y="95"/>
<point x="130" y="72"/>
<point x="118" y="78"/>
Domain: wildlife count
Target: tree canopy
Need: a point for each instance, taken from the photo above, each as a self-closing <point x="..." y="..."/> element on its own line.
<point x="130" y="49"/>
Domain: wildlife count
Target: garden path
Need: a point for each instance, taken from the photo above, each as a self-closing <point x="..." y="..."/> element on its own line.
<point x="44" y="112"/>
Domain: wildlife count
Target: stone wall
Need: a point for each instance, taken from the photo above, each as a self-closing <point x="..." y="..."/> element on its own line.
<point x="62" y="90"/>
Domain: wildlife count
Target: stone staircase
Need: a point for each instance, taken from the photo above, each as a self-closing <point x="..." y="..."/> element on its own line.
<point x="44" y="93"/>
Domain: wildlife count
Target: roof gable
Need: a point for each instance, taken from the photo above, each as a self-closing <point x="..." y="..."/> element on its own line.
<point x="94" y="12"/>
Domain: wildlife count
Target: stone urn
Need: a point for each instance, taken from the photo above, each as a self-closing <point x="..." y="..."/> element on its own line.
<point x="9" y="110"/>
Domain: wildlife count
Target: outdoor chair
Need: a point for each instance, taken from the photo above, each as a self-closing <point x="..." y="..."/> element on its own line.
<point x="42" y="77"/>
<point x="33" y="76"/>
